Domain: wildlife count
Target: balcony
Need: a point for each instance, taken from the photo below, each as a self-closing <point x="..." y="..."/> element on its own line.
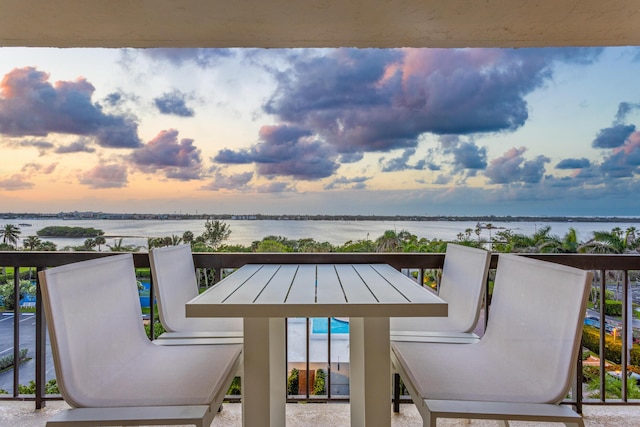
<point x="329" y="408"/>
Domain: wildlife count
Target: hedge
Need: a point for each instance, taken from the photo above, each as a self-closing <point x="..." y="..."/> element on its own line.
<point x="612" y="348"/>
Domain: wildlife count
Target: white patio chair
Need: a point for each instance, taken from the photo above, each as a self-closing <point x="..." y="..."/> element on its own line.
<point x="462" y="286"/>
<point x="522" y="366"/>
<point x="175" y="283"/>
<point x="106" y="367"/>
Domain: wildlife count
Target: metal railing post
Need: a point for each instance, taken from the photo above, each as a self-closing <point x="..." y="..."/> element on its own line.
<point x="41" y="348"/>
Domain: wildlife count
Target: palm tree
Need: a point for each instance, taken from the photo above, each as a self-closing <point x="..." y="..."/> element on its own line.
<point x="32" y="243"/>
<point x="100" y="240"/>
<point x="10" y="234"/>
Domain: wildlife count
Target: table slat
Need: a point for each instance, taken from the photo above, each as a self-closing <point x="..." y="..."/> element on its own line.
<point x="355" y="289"/>
<point x="249" y="291"/>
<point x="378" y="284"/>
<point x="329" y="289"/>
<point x="303" y="289"/>
<point x="405" y="285"/>
<point x="278" y="288"/>
<point x="221" y="290"/>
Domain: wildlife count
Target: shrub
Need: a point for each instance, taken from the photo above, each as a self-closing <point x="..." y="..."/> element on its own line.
<point x="319" y="387"/>
<point x="292" y="382"/>
<point x="613" y="308"/>
<point x="50" y="388"/>
<point x="612" y="348"/>
<point x="158" y="329"/>
<point x="236" y="387"/>
<point x="7" y="361"/>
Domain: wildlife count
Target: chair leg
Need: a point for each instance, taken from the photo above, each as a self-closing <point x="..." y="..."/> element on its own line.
<point x="396" y="393"/>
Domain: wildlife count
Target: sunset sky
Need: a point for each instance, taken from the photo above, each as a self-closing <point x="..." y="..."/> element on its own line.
<point x="321" y="131"/>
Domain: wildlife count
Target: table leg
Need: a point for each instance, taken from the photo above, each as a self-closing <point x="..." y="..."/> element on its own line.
<point x="370" y="371"/>
<point x="264" y="373"/>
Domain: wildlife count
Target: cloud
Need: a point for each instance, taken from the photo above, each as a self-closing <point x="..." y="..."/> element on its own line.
<point x="573" y="164"/>
<point x="40" y="145"/>
<point x="355" y="183"/>
<point x="15" y="182"/>
<point x="613" y="136"/>
<point x="203" y="57"/>
<point x="177" y="159"/>
<point x="30" y="105"/>
<point x="173" y="103"/>
<point x="402" y="163"/>
<point x="276" y="187"/>
<point x="285" y="151"/>
<point x="33" y="168"/>
<point x="466" y="156"/>
<point x="623" y="162"/>
<point x="105" y="176"/>
<point x="238" y="181"/>
<point x="624" y="108"/>
<point x="79" y="146"/>
<point x="513" y="168"/>
<point x="364" y="100"/>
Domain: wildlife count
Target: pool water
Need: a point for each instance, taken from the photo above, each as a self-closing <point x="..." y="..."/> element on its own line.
<point x="319" y="326"/>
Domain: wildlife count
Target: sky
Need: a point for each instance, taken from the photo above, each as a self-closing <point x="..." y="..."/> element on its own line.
<point x="548" y="131"/>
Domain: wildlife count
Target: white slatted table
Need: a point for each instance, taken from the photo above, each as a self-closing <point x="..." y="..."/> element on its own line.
<point x="266" y="294"/>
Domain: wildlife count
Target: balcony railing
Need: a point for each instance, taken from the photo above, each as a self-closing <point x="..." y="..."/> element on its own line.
<point x="420" y="263"/>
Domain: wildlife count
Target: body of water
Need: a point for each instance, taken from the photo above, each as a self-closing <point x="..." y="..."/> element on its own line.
<point x="244" y="232"/>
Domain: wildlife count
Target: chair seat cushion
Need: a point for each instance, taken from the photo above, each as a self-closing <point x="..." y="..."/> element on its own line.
<point x="194" y="373"/>
<point x="450" y="372"/>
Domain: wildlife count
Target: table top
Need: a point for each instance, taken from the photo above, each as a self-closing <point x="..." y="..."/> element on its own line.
<point x="316" y="290"/>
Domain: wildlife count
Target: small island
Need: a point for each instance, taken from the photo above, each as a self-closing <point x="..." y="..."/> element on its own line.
<point x="64" y="231"/>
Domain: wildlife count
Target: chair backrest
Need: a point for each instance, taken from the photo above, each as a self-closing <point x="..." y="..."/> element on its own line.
<point x="535" y="321"/>
<point x="175" y="283"/>
<point x="94" y="320"/>
<point x="463" y="284"/>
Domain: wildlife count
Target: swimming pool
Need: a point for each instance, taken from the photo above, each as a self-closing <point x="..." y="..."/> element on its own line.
<point x="319" y="326"/>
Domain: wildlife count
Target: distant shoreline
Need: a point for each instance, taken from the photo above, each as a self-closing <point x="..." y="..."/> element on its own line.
<point x="292" y="217"/>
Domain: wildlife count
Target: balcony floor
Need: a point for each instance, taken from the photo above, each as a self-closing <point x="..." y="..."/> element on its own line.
<point x="17" y="413"/>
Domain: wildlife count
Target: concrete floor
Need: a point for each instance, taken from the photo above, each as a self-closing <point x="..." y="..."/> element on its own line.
<point x="23" y="414"/>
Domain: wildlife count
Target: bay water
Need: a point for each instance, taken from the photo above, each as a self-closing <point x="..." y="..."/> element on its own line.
<point x="336" y="232"/>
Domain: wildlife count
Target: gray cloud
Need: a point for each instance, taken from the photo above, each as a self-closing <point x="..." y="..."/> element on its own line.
<point x="15" y="182"/>
<point x="402" y="163"/>
<point x="624" y="108"/>
<point x="355" y="183"/>
<point x="613" y="136"/>
<point x="105" y="176"/>
<point x="177" y="159"/>
<point x="238" y="181"/>
<point x="513" y="168"/>
<point x="361" y="100"/>
<point x="79" y="146"/>
<point x="573" y="164"/>
<point x="285" y="151"/>
<point x="33" y="168"/>
<point x="30" y="105"/>
<point x="203" y="57"/>
<point x="276" y="187"/>
<point x="174" y="103"/>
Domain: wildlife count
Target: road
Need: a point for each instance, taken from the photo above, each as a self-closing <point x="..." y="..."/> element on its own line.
<point x="27" y="340"/>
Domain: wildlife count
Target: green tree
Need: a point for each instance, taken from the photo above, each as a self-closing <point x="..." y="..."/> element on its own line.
<point x="10" y="234"/>
<point x="25" y="287"/>
<point x="118" y="246"/>
<point x="32" y="243"/>
<point x="215" y="233"/>
<point x="187" y="237"/>
<point x="100" y="240"/>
